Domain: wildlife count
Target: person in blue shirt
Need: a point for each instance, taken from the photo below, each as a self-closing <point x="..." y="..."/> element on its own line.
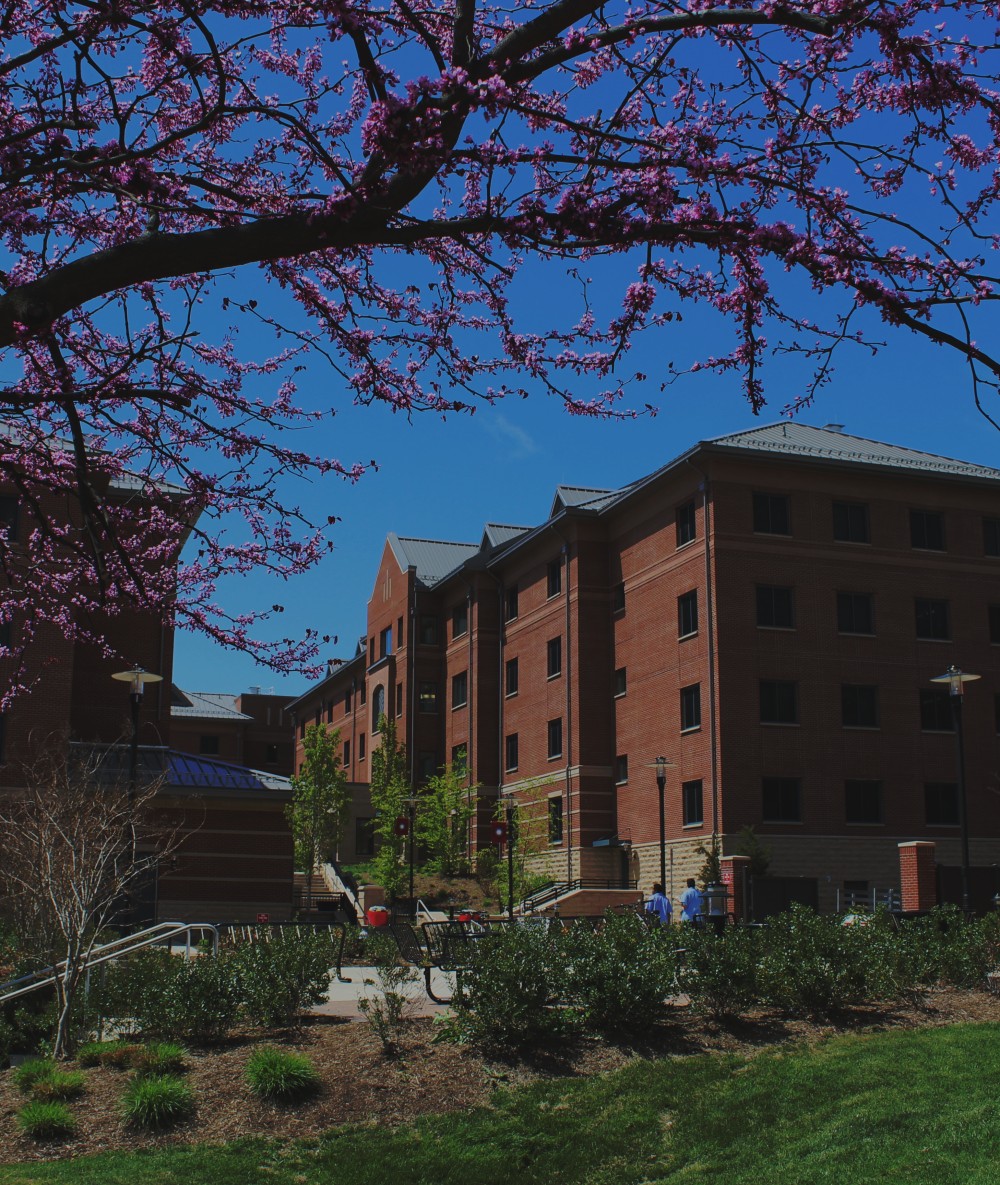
<point x="658" y="907"/>
<point x="691" y="903"/>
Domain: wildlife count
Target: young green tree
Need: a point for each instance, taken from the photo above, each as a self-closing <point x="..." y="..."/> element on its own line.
<point x="390" y="788"/>
<point x="317" y="813"/>
<point x="447" y="806"/>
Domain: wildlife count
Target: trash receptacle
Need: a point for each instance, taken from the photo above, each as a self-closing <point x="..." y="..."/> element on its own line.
<point x="715" y="906"/>
<point x="377" y="916"/>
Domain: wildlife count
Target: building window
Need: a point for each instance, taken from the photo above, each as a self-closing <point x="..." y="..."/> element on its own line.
<point x="329" y="712"/>
<point x="850" y="522"/>
<point x="460" y="759"/>
<point x="863" y="802"/>
<point x="927" y="530"/>
<point x="510" y="603"/>
<point x="618" y="597"/>
<point x="554" y="578"/>
<point x="770" y="514"/>
<point x="364" y="694"/>
<point x="778" y="702"/>
<point x="460" y="689"/>
<point x="460" y="620"/>
<point x="687" y="614"/>
<point x="692" y="805"/>
<point x="691" y="707"/>
<point x="510" y="752"/>
<point x="426" y="765"/>
<point x="932" y="619"/>
<point x="991" y="536"/>
<point x="935" y="710"/>
<point x="995" y="624"/>
<point x="941" y="804"/>
<point x="858" y="705"/>
<point x="427" y="697"/>
<point x="272" y="754"/>
<point x="510" y="677"/>
<point x="208" y="744"/>
<point x="371" y="650"/>
<point x="621" y="769"/>
<point x="399" y="632"/>
<point x="385" y="642"/>
<point x="428" y="630"/>
<point x="302" y="729"/>
<point x="555" y="738"/>
<point x="775" y="607"/>
<point x="378" y="708"/>
<point x="781" y="800"/>
<point x="399" y="699"/>
<point x="555" y="820"/>
<point x="621" y="681"/>
<point x="362" y="750"/>
<point x="347" y="701"/>
<point x="364" y="837"/>
<point x="8" y="517"/>
<point x="855" y="613"/>
<point x="685" y="522"/>
<point x="553" y="657"/>
<point x="347" y="753"/>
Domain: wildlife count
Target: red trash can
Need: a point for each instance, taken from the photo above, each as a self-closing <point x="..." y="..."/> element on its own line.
<point x="378" y="915"/>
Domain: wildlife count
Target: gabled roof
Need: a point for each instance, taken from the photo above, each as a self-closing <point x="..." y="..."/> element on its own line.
<point x="794" y="439"/>
<point x="183" y="770"/>
<point x="433" y="559"/>
<point x="577" y="496"/>
<point x="205" y="705"/>
<point x="497" y="534"/>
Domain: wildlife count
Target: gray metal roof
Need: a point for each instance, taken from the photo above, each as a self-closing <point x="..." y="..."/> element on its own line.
<point x="795" y="439"/>
<point x="433" y="558"/>
<point x="496" y="534"/>
<point x="208" y="705"/>
<point x="577" y="496"/>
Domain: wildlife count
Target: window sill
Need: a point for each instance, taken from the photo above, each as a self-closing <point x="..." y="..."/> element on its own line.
<point x="782" y="822"/>
<point x="862" y="727"/>
<point x="510" y="695"/>
<point x="693" y="826"/>
<point x="549" y="678"/>
<point x="947" y="640"/>
<point x="554" y="757"/>
<point x="780" y="724"/>
<point x="684" y="637"/>
<point x="938" y="732"/>
<point x="781" y="629"/>
<point x="686" y="543"/>
<point x="693" y="728"/>
<point x="855" y="542"/>
<point x="459" y="707"/>
<point x="856" y="823"/>
<point x="620" y="694"/>
<point x="622" y="783"/>
<point x="511" y="770"/>
<point x="854" y="634"/>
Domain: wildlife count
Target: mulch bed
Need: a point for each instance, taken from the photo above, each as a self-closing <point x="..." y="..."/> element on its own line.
<point x="363" y="1085"/>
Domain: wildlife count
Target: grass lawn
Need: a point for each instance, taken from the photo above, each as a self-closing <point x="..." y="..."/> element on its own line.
<point x="915" y="1106"/>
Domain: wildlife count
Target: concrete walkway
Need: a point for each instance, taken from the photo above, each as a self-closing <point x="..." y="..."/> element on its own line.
<point x="342" y="998"/>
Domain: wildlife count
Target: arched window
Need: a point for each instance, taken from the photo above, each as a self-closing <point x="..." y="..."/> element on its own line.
<point x="378" y="707"/>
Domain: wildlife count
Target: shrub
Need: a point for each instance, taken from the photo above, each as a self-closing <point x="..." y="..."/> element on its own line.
<point x="59" y="1086"/>
<point x="517" y="975"/>
<point x="812" y="963"/>
<point x="30" y="1072"/>
<point x="157" y="1103"/>
<point x="385" y="1007"/>
<point x="619" y="974"/>
<point x="283" y="975"/>
<point x="280" y="1076"/>
<point x="720" y="971"/>
<point x="162" y="1057"/>
<point x="46" y="1121"/>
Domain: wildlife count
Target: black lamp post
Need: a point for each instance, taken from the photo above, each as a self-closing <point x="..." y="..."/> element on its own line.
<point x="411" y="806"/>
<point x="956" y="681"/>
<point x="661" y="765"/>
<point x="509" y="815"/>
<point x="137" y="679"/>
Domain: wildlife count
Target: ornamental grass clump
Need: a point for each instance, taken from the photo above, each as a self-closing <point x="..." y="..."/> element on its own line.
<point x="30" y="1072"/>
<point x="155" y="1104"/>
<point x="59" y="1086"/>
<point x="46" y="1121"/>
<point x="159" y="1058"/>
<point x="279" y="1076"/>
<point x="117" y="1055"/>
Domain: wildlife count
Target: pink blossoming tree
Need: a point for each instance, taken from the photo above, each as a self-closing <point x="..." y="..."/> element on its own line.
<point x="162" y="160"/>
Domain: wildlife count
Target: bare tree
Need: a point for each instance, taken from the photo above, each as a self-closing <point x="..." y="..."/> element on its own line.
<point x="78" y="839"/>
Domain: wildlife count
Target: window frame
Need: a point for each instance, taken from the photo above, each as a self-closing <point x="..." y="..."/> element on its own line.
<point x="934" y="796"/>
<point x="554" y="738"/>
<point x="510" y="749"/>
<point x="853" y="703"/>
<point x="857" y="788"/>
<point x="690" y="708"/>
<point x="428" y="697"/>
<point x="765" y="513"/>
<point x="927" y="530"/>
<point x="555" y="819"/>
<point x="621" y="769"/>
<point x="851" y="522"/>
<point x="778" y="700"/>
<point x="553" y="657"/>
<point x="459" y="688"/>
<point x="510" y="604"/>
<point x="620" y="685"/>
<point x="780" y="785"/>
<point x="687" y="614"/>
<point x="936" y="712"/>
<point x="511" y="684"/>
<point x="852" y="600"/>
<point x="685" y="524"/>
<point x="553" y="578"/>
<point x="765" y="599"/>
<point x="926" y="610"/>
<point x="460" y="620"/>
<point x="692" y="802"/>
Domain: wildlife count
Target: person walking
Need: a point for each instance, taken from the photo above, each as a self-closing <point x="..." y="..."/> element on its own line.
<point x="658" y="907"/>
<point x="691" y="904"/>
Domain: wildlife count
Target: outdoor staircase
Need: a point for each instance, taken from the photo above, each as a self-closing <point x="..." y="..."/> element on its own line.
<point x="578" y="899"/>
<point x="324" y="894"/>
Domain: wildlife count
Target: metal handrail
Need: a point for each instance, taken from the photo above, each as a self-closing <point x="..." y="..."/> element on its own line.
<point x="107" y="951"/>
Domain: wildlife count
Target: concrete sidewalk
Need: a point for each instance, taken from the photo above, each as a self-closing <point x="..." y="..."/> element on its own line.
<point x="342" y="998"/>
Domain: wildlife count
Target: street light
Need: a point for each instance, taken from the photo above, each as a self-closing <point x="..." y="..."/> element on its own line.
<point x="956" y="681"/>
<point x="137" y="679"/>
<point x="661" y="765"/>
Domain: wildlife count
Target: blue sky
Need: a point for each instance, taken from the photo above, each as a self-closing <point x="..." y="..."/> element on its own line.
<point x="445" y="478"/>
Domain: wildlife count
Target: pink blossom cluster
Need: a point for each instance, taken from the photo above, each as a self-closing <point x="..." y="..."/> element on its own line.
<point x="151" y="149"/>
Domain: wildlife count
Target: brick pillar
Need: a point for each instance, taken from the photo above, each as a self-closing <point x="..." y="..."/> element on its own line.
<point x="735" y="870"/>
<point x="917" y="876"/>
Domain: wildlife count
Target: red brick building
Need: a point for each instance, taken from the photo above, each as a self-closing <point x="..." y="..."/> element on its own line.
<point x="236" y="860"/>
<point x="766" y="611"/>
<point x="251" y="729"/>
